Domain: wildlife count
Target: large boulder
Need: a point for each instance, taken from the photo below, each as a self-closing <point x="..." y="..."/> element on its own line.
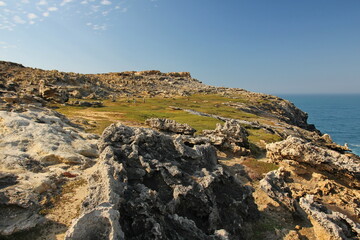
<point x="162" y="189"/>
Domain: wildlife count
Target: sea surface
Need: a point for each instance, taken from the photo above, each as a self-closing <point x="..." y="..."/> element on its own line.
<point x="337" y="115"/>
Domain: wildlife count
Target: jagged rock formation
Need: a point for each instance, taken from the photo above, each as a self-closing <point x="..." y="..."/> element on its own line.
<point x="162" y="189"/>
<point x="275" y="186"/>
<point x="229" y="137"/>
<point x="306" y="152"/>
<point x="308" y="171"/>
<point x="168" y="125"/>
<point x="338" y="225"/>
<point x="36" y="147"/>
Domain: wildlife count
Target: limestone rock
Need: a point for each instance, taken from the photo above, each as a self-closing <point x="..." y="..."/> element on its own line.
<point x="306" y="152"/>
<point x="53" y="93"/>
<point x="276" y="188"/>
<point x="36" y="147"/>
<point x="163" y="189"/>
<point x="338" y="225"/>
<point x="168" y="125"/>
<point x="230" y="136"/>
<point x="41" y="136"/>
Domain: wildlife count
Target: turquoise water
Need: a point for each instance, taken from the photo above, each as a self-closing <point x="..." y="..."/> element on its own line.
<point x="337" y="115"/>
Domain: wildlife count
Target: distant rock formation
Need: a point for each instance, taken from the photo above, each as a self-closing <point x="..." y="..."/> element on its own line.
<point x="168" y="125"/>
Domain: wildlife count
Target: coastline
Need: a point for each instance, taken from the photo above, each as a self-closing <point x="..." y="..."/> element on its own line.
<point x="335" y="114"/>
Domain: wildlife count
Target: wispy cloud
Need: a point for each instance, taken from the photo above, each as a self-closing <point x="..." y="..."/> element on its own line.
<point x="42" y="2"/>
<point x="21" y="12"/>
<point x="32" y="16"/>
<point x="65" y="2"/>
<point x="105" y="2"/>
<point x="5" y="45"/>
<point x="19" y="20"/>
<point x="52" y="9"/>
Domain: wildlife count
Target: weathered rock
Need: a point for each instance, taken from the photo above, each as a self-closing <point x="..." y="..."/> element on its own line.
<point x="163" y="189"/>
<point x="76" y="94"/>
<point x="323" y="159"/>
<point x="230" y="136"/>
<point x="41" y="136"/>
<point x="86" y="104"/>
<point x="338" y="225"/>
<point x="33" y="144"/>
<point x="168" y="125"/>
<point x="276" y="188"/>
<point x="53" y="93"/>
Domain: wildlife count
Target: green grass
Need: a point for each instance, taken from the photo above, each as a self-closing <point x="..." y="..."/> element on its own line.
<point x="137" y="112"/>
<point x="255" y="135"/>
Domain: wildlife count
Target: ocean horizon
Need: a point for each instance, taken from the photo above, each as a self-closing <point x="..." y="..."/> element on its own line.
<point x="335" y="114"/>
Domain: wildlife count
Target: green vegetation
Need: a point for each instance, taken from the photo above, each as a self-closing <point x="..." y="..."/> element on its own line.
<point x="256" y="135"/>
<point x="136" y="112"/>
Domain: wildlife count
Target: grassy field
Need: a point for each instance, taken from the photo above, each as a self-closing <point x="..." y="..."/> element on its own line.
<point x="136" y="111"/>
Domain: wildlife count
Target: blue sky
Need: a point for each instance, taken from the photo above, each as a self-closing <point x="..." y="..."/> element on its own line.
<point x="277" y="46"/>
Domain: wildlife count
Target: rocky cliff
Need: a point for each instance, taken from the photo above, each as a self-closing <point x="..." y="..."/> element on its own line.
<point x="177" y="160"/>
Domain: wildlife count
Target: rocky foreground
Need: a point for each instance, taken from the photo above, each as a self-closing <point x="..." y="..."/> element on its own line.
<point x="165" y="180"/>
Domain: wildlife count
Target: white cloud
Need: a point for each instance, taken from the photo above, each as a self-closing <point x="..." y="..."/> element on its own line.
<point x="52" y="9"/>
<point x="2" y="4"/>
<point x="5" y="45"/>
<point x="42" y="2"/>
<point x="24" y="1"/>
<point x="32" y="16"/>
<point x="19" y="20"/>
<point x="105" y="2"/>
<point x="65" y="2"/>
<point x="46" y="14"/>
<point x="84" y="2"/>
<point x="97" y="27"/>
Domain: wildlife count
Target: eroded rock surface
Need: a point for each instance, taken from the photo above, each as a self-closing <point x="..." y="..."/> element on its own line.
<point x="338" y="225"/>
<point x="276" y="188"/>
<point x="230" y="136"/>
<point x="169" y="125"/>
<point x="307" y="152"/>
<point x="36" y="147"/>
<point x="163" y="189"/>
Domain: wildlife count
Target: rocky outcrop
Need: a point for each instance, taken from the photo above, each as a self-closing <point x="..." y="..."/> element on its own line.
<point x="163" y="189"/>
<point x="86" y="103"/>
<point x="37" y="147"/>
<point x="53" y="93"/>
<point x="323" y="159"/>
<point x="168" y="125"/>
<point x="338" y="225"/>
<point x="274" y="186"/>
<point x="229" y="137"/>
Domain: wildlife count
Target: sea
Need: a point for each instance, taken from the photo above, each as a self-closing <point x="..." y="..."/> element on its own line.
<point x="337" y="115"/>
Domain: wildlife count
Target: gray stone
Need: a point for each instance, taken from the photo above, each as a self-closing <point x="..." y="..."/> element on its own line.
<point x="168" y="125"/>
<point x="163" y="189"/>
